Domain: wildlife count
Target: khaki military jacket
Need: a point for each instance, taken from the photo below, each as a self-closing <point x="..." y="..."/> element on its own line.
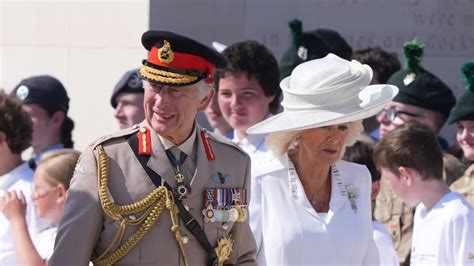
<point x="397" y="217"/>
<point x="465" y="185"/>
<point x="86" y="231"/>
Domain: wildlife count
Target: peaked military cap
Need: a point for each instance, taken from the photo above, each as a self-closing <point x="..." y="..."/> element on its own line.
<point x="45" y="91"/>
<point x="418" y="86"/>
<point x="178" y="60"/>
<point x="311" y="45"/>
<point x="464" y="108"/>
<point x="130" y="82"/>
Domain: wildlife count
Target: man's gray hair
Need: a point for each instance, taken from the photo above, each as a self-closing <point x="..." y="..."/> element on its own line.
<point x="204" y="88"/>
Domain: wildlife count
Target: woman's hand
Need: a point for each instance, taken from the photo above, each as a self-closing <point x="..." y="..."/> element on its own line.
<point x="13" y="206"/>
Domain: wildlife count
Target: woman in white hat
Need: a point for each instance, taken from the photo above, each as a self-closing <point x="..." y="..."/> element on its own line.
<point x="312" y="207"/>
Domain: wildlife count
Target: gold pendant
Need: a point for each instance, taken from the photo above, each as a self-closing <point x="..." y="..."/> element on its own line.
<point x="224" y="248"/>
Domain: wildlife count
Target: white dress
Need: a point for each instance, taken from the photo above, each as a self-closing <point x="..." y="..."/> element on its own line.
<point x="287" y="229"/>
<point x="444" y="235"/>
<point x="44" y="242"/>
<point x="383" y="241"/>
<point x="19" y="179"/>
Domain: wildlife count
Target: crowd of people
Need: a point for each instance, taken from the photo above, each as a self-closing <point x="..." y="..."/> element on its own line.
<point x="327" y="157"/>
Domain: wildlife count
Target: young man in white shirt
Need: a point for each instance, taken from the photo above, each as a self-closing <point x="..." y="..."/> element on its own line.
<point x="411" y="160"/>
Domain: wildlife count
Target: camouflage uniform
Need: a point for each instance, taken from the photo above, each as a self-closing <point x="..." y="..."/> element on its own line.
<point x="398" y="217"/>
<point x="465" y="185"/>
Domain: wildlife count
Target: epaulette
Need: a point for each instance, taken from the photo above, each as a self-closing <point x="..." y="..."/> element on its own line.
<point x="221" y="139"/>
<point x="118" y="134"/>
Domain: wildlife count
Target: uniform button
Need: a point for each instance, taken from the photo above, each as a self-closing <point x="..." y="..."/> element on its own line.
<point x="132" y="217"/>
<point x="185" y="239"/>
<point x="225" y="226"/>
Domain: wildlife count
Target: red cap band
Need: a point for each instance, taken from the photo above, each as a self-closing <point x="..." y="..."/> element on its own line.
<point x="184" y="62"/>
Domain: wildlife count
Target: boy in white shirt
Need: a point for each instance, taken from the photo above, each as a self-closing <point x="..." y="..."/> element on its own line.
<point x="411" y="160"/>
<point x="361" y="152"/>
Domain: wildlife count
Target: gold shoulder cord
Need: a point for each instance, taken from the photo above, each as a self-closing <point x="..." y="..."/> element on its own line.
<point x="152" y="205"/>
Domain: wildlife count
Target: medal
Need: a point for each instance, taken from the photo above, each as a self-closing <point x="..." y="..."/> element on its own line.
<point x="242" y="213"/>
<point x="225" y="205"/>
<point x="182" y="191"/>
<point x="179" y="177"/>
<point x="208" y="214"/>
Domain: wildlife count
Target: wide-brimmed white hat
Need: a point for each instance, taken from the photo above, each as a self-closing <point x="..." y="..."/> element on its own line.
<point x="324" y="92"/>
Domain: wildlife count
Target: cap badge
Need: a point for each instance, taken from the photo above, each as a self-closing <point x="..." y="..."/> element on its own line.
<point x="409" y="79"/>
<point x="165" y="54"/>
<point x="134" y="82"/>
<point x="303" y="53"/>
<point x="22" y="92"/>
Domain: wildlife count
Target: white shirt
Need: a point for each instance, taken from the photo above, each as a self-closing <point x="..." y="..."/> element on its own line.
<point x="444" y="235"/>
<point x="19" y="179"/>
<point x="253" y="145"/>
<point x="256" y="148"/>
<point x="288" y="230"/>
<point x="383" y="240"/>
<point x="44" y="242"/>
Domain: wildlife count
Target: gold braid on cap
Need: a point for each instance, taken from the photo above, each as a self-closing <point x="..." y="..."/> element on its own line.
<point x="165" y="76"/>
<point x="152" y="206"/>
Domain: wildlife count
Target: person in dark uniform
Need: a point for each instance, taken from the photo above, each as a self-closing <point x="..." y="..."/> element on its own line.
<point x="127" y="100"/>
<point x="164" y="192"/>
<point x="45" y="99"/>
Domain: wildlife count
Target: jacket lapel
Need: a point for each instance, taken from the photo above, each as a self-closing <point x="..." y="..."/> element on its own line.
<point x="203" y="167"/>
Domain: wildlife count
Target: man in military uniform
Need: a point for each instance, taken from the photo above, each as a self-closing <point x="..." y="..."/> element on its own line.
<point x="463" y="116"/>
<point x="137" y="195"/>
<point x="127" y="100"/>
<point x="427" y="99"/>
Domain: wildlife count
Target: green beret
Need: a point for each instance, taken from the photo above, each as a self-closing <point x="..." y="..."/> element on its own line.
<point x="311" y="45"/>
<point x="420" y="87"/>
<point x="464" y="109"/>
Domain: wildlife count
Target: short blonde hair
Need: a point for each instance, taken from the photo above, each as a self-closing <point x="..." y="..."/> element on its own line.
<point x="57" y="167"/>
<point x="281" y="143"/>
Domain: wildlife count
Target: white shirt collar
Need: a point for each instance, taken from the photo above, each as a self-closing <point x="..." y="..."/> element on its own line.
<point x="251" y="143"/>
<point x="187" y="146"/>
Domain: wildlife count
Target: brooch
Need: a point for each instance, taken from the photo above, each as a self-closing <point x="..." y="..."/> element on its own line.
<point x="224" y="248"/>
<point x="352" y="195"/>
<point x="220" y="178"/>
